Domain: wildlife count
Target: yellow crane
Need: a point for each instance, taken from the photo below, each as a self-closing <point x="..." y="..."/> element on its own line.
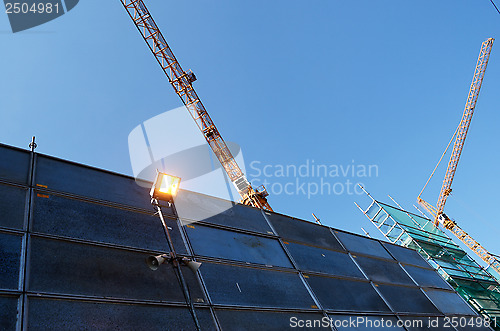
<point x="182" y="82"/>
<point x="460" y="134"/>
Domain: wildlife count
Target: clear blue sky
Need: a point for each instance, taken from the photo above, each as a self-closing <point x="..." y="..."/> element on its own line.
<point x="379" y="82"/>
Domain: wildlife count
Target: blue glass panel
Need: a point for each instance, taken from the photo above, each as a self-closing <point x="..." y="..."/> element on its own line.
<point x="93" y="183"/>
<point x="363" y="245"/>
<point x="12" y="206"/>
<point x="449" y="302"/>
<point x="406" y="255"/>
<point x="384" y="271"/>
<point x="83" y="220"/>
<point x="346" y="295"/>
<point x="10" y="260"/>
<point x="194" y="207"/>
<point x="398" y="299"/>
<point x="231" y="285"/>
<point x="306" y="232"/>
<point x="426" y="277"/>
<point x="50" y="314"/>
<point x="8" y="312"/>
<point x="71" y="268"/>
<point x="323" y="260"/>
<point x="14" y="164"/>
<point x="240" y="320"/>
<point x="236" y="246"/>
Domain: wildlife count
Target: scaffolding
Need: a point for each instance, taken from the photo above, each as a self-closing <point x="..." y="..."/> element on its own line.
<point x="473" y="282"/>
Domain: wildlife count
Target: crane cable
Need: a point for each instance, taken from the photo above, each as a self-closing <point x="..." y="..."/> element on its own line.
<point x="437" y="165"/>
<point x="495" y="6"/>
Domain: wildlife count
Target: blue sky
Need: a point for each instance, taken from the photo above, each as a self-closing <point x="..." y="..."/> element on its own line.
<point x="339" y="82"/>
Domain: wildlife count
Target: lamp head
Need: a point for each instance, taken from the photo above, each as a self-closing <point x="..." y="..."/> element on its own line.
<point x="165" y="187"/>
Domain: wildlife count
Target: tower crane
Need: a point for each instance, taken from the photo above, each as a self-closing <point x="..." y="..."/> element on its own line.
<point x="182" y="82"/>
<point x="460" y="134"/>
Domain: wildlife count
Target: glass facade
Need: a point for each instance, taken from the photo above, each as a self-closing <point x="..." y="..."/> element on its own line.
<point x="74" y="240"/>
<point x="480" y="288"/>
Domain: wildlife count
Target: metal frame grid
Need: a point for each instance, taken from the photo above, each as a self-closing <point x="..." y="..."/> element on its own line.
<point x="105" y="280"/>
<point x="475" y="284"/>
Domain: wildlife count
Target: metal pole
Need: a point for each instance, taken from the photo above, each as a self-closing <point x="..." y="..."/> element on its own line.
<point x="175" y="260"/>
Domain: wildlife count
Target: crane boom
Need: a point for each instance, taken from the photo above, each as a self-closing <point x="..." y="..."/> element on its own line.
<point x="460" y="135"/>
<point x="463" y="127"/>
<point x="182" y="81"/>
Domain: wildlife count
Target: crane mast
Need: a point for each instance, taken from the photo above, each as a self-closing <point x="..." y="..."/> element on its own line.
<point x="182" y="82"/>
<point x="463" y="127"/>
<point x="460" y="135"/>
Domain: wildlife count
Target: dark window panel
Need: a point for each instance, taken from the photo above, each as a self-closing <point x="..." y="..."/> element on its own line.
<point x="449" y="302"/>
<point x="89" y="221"/>
<point x="14" y="165"/>
<point x="323" y="260"/>
<point x="363" y="245"/>
<point x="194" y="287"/>
<point x="193" y="207"/>
<point x="346" y="295"/>
<point x="306" y="232"/>
<point x="364" y="322"/>
<point x="384" y="271"/>
<point x="236" y="246"/>
<point x="231" y="285"/>
<point x="407" y="299"/>
<point x="205" y="319"/>
<point x="406" y="255"/>
<point x="47" y="314"/>
<point x="418" y="323"/>
<point x="88" y="182"/>
<point x="10" y="260"/>
<point x="240" y="320"/>
<point x="426" y="277"/>
<point x="8" y="312"/>
<point x="71" y="268"/>
<point x="12" y="206"/>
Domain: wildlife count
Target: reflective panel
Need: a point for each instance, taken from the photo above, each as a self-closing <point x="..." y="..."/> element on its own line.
<point x="363" y="245"/>
<point x="14" y="164"/>
<point x="365" y="322"/>
<point x="449" y="302"/>
<point x="398" y="298"/>
<point x="406" y="255"/>
<point x="8" y="312"/>
<point x="236" y="246"/>
<point x="269" y="320"/>
<point x="93" y="183"/>
<point x="10" y="260"/>
<point x="346" y="295"/>
<point x="426" y="277"/>
<point x="45" y="314"/>
<point x="383" y="271"/>
<point x="306" y="232"/>
<point x="205" y="319"/>
<point x="12" y="206"/>
<point x="71" y="268"/>
<point x="193" y="207"/>
<point x="78" y="219"/>
<point x="323" y="260"/>
<point x="231" y="285"/>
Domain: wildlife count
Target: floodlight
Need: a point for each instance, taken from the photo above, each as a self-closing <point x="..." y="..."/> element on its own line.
<point x="165" y="187"/>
